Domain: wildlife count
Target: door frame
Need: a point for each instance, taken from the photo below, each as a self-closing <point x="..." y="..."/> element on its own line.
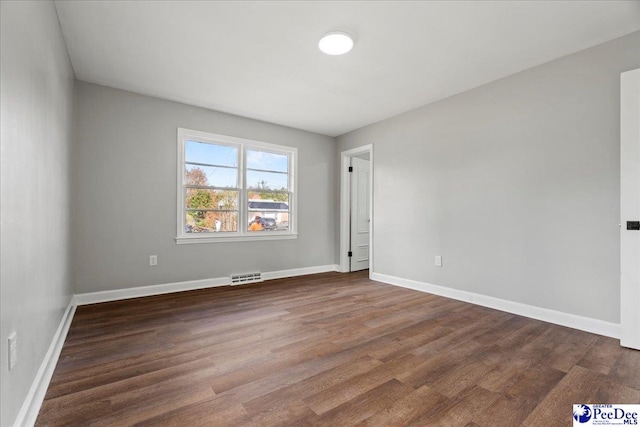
<point x="345" y="198"/>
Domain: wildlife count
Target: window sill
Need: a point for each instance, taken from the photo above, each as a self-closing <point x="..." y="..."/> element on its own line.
<point x="206" y="239"/>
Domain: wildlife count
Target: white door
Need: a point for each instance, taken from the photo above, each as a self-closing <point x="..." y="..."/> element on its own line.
<point x="360" y="216"/>
<point x="630" y="209"/>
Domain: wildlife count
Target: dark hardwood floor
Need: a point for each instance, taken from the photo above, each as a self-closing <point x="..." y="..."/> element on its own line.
<point x="329" y="349"/>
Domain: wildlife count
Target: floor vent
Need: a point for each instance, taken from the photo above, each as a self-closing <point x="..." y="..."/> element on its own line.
<point x="241" y="279"/>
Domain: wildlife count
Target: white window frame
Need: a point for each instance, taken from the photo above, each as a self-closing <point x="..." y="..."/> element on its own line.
<point x="242" y="234"/>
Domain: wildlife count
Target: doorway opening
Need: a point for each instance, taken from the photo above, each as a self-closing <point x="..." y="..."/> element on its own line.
<point x="356" y="209"/>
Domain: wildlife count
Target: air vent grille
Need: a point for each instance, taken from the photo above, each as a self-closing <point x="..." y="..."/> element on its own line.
<point x="241" y="279"/>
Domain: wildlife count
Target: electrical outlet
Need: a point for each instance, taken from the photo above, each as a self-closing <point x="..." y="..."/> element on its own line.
<point x="438" y="260"/>
<point x="153" y="260"/>
<point x="13" y="350"/>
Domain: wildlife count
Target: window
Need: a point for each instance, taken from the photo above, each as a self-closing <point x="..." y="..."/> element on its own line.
<point x="233" y="189"/>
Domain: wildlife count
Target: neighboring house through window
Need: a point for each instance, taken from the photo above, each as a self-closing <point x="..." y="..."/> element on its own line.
<point x="233" y="189"/>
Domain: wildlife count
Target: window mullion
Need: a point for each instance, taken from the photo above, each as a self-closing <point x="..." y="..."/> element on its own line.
<point x="244" y="211"/>
<point x="211" y="187"/>
<point x="253" y="190"/>
<point x="267" y="170"/>
<point x="210" y="165"/>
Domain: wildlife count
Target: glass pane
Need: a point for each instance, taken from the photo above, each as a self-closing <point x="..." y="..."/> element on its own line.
<point x="261" y="201"/>
<point x="210" y="222"/>
<point x="267" y="180"/>
<point x="211" y="154"/>
<point x="211" y="176"/>
<point x="212" y="199"/>
<point x="267" y="161"/>
<point x="268" y="221"/>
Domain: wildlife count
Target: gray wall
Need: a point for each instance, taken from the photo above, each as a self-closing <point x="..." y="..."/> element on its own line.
<point x="125" y="188"/>
<point x="515" y="183"/>
<point x="36" y="140"/>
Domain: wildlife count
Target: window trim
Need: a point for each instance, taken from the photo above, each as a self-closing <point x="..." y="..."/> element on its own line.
<point x="243" y="145"/>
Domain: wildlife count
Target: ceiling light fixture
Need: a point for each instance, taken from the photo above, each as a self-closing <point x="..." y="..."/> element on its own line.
<point x="336" y="43"/>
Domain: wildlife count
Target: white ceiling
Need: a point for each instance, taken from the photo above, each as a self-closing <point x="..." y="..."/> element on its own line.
<point x="260" y="59"/>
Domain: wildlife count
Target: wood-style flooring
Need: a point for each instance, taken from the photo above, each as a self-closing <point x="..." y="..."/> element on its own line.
<point x="331" y="350"/>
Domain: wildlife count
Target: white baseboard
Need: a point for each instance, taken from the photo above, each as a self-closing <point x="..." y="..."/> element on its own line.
<point x="299" y="271"/>
<point x="145" y="291"/>
<point x="167" y="288"/>
<point x="587" y="324"/>
<point x="32" y="403"/>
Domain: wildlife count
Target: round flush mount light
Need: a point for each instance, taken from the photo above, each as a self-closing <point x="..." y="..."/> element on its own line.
<point x="336" y="43"/>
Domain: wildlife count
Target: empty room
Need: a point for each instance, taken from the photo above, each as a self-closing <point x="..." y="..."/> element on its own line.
<point x="319" y="213"/>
